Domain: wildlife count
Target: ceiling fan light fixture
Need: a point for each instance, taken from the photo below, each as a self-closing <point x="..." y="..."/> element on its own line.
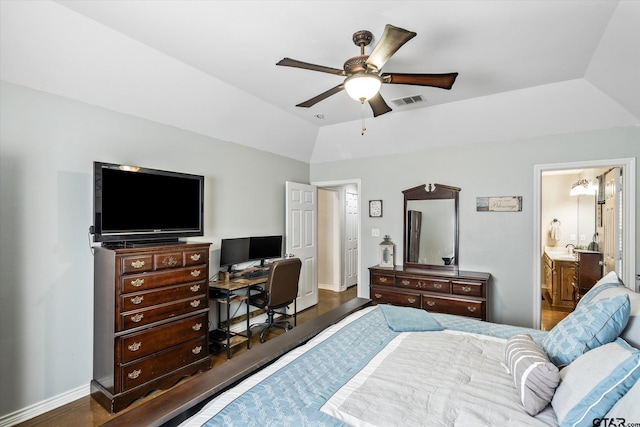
<point x="362" y="86"/>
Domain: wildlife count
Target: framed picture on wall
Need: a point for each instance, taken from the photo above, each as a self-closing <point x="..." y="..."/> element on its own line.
<point x="375" y="208"/>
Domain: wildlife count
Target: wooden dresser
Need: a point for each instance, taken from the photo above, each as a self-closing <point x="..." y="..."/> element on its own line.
<point x="587" y="271"/>
<point x="443" y="291"/>
<point x="151" y="315"/>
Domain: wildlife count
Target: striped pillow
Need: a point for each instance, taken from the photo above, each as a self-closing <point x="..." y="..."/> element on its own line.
<point x="593" y="383"/>
<point x="535" y="377"/>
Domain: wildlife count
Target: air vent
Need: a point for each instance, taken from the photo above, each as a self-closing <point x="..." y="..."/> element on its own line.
<point x="408" y="100"/>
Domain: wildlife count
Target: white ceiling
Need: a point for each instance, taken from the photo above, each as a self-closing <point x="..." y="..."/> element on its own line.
<point x="201" y="65"/>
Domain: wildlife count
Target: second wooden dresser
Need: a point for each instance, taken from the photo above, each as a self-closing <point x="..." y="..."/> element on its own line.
<point x="442" y="291"/>
<point x="151" y="314"/>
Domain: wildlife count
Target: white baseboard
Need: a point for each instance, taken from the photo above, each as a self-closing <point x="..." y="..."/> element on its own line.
<point x="47" y="405"/>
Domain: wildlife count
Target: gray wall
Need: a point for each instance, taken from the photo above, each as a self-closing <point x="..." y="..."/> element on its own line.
<point x="47" y="146"/>
<point x="496" y="242"/>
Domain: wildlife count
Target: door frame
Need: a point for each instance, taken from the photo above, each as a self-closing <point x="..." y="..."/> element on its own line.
<point x="363" y="291"/>
<point x="628" y="224"/>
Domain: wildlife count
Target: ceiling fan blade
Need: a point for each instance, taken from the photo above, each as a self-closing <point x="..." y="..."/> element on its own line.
<point x="288" y="62"/>
<point x="378" y="105"/>
<point x="392" y="39"/>
<point x="324" y="95"/>
<point x="443" y="81"/>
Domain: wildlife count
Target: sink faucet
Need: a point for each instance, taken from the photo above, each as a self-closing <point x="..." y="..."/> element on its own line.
<point x="571" y="248"/>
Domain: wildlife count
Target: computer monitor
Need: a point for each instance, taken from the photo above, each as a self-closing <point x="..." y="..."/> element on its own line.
<point x="234" y="251"/>
<point x="265" y="247"/>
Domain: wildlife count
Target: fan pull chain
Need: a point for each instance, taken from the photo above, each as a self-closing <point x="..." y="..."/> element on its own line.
<point x="363" y="126"/>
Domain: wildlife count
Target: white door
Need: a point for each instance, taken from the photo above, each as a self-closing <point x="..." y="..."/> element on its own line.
<point x="351" y="240"/>
<point x="302" y="238"/>
<point x="612" y="223"/>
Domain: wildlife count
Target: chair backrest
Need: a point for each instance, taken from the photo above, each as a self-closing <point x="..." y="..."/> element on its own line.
<point x="282" y="283"/>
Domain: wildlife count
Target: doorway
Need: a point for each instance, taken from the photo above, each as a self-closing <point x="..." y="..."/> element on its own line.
<point x="338" y="234"/>
<point x="543" y="218"/>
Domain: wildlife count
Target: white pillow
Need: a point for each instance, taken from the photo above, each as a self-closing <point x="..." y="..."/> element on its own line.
<point x="592" y="384"/>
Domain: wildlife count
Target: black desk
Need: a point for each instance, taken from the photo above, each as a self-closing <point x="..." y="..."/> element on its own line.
<point x="233" y="290"/>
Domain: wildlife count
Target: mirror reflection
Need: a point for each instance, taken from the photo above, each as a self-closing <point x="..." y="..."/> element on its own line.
<point x="431" y="231"/>
<point x="431" y="227"/>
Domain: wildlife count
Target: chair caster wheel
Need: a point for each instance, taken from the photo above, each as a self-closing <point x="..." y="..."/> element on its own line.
<point x="289" y="327"/>
<point x="262" y="340"/>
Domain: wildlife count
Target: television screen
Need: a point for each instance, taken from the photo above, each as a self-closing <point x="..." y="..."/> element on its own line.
<point x="265" y="247"/>
<point x="234" y="251"/>
<point x="132" y="203"/>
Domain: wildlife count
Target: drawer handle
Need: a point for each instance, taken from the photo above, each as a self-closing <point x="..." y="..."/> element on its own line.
<point x="195" y="288"/>
<point x="382" y="279"/>
<point x="195" y="303"/>
<point x="377" y="295"/>
<point x="431" y="303"/>
<point x="197" y="326"/>
<point x="406" y="282"/>
<point x="195" y="257"/>
<point x="411" y="300"/>
<point x="135" y="346"/>
<point x="471" y="309"/>
<point x="197" y="349"/>
<point x="171" y="261"/>
<point x="137" y="283"/>
<point x="466" y="289"/>
<point x="138" y="317"/>
<point x="195" y="273"/>
<point x="137" y="299"/>
<point x="137" y="263"/>
<point x="437" y="285"/>
<point x="134" y="374"/>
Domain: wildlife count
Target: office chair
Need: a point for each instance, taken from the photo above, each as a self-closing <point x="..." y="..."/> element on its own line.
<point x="280" y="290"/>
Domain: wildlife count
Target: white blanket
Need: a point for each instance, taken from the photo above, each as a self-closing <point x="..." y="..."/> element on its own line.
<point x="418" y="380"/>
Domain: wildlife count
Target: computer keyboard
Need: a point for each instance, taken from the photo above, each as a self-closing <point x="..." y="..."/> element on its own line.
<point x="256" y="274"/>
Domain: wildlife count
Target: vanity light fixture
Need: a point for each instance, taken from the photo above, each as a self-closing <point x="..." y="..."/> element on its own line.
<point x="582" y="187"/>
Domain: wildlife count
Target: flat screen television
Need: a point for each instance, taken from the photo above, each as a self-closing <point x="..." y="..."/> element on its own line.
<point x="234" y="251"/>
<point x="136" y="205"/>
<point x="265" y="247"/>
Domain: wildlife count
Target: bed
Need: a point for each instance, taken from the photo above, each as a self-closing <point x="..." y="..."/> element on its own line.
<point x="386" y="365"/>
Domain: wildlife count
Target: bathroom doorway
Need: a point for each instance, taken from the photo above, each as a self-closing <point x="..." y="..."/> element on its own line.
<point x="564" y="222"/>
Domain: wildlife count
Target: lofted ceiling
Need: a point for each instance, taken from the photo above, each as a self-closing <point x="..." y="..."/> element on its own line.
<point x="201" y="65"/>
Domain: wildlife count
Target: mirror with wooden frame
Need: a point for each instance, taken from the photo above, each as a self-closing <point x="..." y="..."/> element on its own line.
<point x="431" y="227"/>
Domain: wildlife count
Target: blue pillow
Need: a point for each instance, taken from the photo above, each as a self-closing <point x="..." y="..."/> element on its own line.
<point x="409" y="319"/>
<point x="594" y="382"/>
<point x="587" y="327"/>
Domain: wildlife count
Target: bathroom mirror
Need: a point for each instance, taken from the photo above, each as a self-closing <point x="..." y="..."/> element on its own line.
<point x="431" y="227"/>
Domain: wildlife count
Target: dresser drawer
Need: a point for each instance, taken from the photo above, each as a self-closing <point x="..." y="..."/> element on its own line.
<point x="424" y="284"/>
<point x="138" y="300"/>
<point x="381" y="296"/>
<point x="136" y="263"/>
<point x="474" y="289"/>
<point x="168" y="260"/>
<point x="134" y="319"/>
<point x="152" y="367"/>
<point x="141" y="282"/>
<point x="140" y="344"/>
<point x="467" y="308"/>
<point x="195" y="257"/>
<point x="382" y="279"/>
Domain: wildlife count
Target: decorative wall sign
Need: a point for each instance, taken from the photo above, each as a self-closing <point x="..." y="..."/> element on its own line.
<point x="499" y="204"/>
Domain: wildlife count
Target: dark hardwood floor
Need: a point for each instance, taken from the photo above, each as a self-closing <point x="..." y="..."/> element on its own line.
<point x="87" y="412"/>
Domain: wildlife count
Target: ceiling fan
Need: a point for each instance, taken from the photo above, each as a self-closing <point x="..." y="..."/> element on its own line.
<point x="363" y="77"/>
